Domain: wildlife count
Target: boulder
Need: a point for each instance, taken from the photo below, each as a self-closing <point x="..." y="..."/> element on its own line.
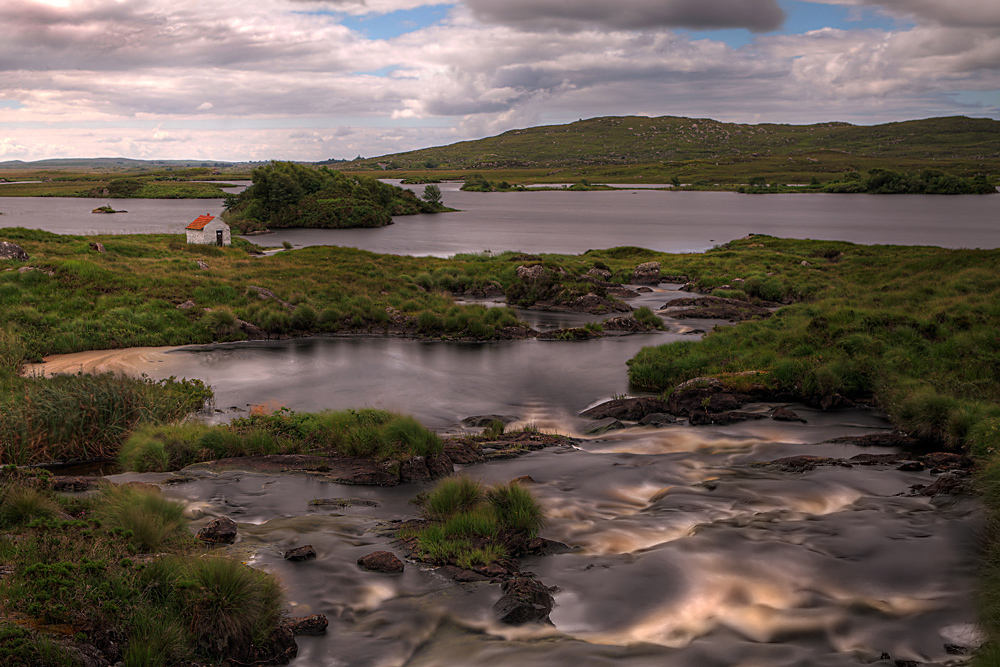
<point x="597" y="305"/>
<point x="531" y="273"/>
<point x="219" y="531"/>
<point x="381" y="561"/>
<point x="315" y="624"/>
<point x="647" y="273"/>
<point x="440" y="465"/>
<point x="300" y="553"/>
<point x="946" y="461"/>
<point x="482" y="421"/>
<point x="786" y="415"/>
<point x="657" y="419"/>
<point x="525" y="600"/>
<point x="13" y="251"/>
<point x="631" y="409"/>
<point x="414" y="469"/>
<point x="602" y="274"/>
<point x="203" y="265"/>
<point x="605" y="426"/>
<point x="462" y="453"/>
<point x="99" y="247"/>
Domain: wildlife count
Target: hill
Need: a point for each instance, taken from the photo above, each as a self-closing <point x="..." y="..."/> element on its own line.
<point x="615" y="146"/>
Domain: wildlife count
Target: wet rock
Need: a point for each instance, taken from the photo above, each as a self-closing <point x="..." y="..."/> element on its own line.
<point x="722" y="418"/>
<point x="647" y="273"/>
<point x="461" y="575"/>
<point x="797" y="463"/>
<point x="65" y="483"/>
<point x="835" y="401"/>
<point x="955" y="649"/>
<point x="492" y="570"/>
<point x="278" y="649"/>
<point x="631" y="409"/>
<point x="12" y="251"/>
<point x="542" y="546"/>
<point x="364" y="472"/>
<point x="342" y="502"/>
<point x="525" y="600"/>
<point x="300" y="553"/>
<point x="463" y="453"/>
<point x="440" y="466"/>
<point x="643" y="290"/>
<point x="947" y="484"/>
<point x="605" y="426"/>
<point x="878" y="459"/>
<point x="381" y="561"/>
<point x="911" y="466"/>
<point x="657" y="419"/>
<point x="315" y="624"/>
<point x="523" y="479"/>
<point x="623" y="323"/>
<point x="946" y="461"/>
<point x="219" y="531"/>
<point x="414" y="469"/>
<point x="482" y="421"/>
<point x="622" y="292"/>
<point x="878" y="440"/>
<point x="786" y="415"/>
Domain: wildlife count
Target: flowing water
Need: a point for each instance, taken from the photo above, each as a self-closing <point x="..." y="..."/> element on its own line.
<point x="682" y="552"/>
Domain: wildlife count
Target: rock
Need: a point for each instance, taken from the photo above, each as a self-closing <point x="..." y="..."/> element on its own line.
<point x="947" y="484"/>
<point x="525" y="600"/>
<point x="596" y="305"/>
<point x="715" y="308"/>
<point x="798" y="463"/>
<point x="342" y="502"/>
<point x="786" y="415"/>
<point x="300" y="553"/>
<point x="414" y="469"/>
<point x="264" y="294"/>
<point x="605" y="426"/>
<point x="492" y="570"/>
<point x="440" y="466"/>
<point x="202" y="265"/>
<point x="835" y="401"/>
<point x="622" y="292"/>
<point x="99" y="247"/>
<point x="878" y="459"/>
<point x="643" y="290"/>
<point x="722" y="418"/>
<point x="532" y="273"/>
<point x="657" y="419"/>
<point x="251" y="330"/>
<point x="13" y="251"/>
<point x="219" y="531"/>
<point x="523" y="479"/>
<point x="603" y="274"/>
<point x="64" y="483"/>
<point x="647" y="273"/>
<point x="315" y="624"/>
<point x="877" y="440"/>
<point x="482" y="421"/>
<point x="381" y="561"/>
<point x="461" y="575"/>
<point x="540" y="545"/>
<point x="631" y="409"/>
<point x="187" y="304"/>
<point x="463" y="453"/>
<point x="278" y="649"/>
<point x="911" y="466"/>
<point x="946" y="461"/>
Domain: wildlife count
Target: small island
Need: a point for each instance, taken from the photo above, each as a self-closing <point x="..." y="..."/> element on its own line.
<point x="106" y="209"/>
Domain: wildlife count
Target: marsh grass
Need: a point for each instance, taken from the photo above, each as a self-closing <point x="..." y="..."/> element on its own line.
<point x="20" y="505"/>
<point x="144" y="516"/>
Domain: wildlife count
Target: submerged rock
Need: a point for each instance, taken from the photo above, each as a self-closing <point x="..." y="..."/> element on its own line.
<point x="525" y="600"/>
<point x="219" y="531"/>
<point x="786" y="415"/>
<point x="381" y="561"/>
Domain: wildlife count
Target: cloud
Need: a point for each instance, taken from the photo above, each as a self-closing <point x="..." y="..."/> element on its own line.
<point x="575" y="15"/>
<point x="953" y="13"/>
<point x="205" y="106"/>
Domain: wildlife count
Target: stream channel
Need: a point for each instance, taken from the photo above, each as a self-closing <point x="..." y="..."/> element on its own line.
<point x="683" y="554"/>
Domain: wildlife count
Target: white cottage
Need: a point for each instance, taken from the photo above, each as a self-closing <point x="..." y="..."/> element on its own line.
<point x="207" y="230"/>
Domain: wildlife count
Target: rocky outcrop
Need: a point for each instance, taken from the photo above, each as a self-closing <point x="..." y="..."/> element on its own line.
<point x="532" y="273"/>
<point x="630" y="409"/>
<point x="12" y="251"/>
<point x="715" y="308"/>
<point x="98" y="247"/>
<point x="219" y="531"/>
<point x="482" y="421"/>
<point x="381" y="561"/>
<point x="647" y="273"/>
<point x="600" y="274"/>
<point x="524" y="600"/>
<point x="786" y="415"/>
<point x="597" y="305"/>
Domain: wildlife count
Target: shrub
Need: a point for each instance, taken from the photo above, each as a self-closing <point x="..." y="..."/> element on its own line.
<point x="304" y="318"/>
<point x="222" y="323"/>
<point x="452" y="495"/>
<point x="22" y="504"/>
<point x="516" y="508"/>
<point x="151" y="518"/>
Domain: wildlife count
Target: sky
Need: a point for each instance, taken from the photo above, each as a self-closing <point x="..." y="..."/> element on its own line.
<point x="311" y="80"/>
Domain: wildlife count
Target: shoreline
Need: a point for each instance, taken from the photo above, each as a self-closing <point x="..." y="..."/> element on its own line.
<point x="126" y="361"/>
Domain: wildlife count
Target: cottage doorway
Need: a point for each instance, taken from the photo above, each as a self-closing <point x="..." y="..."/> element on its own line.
<point x="218" y="237"/>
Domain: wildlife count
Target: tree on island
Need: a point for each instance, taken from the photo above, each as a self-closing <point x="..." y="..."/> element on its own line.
<point x="432" y="195"/>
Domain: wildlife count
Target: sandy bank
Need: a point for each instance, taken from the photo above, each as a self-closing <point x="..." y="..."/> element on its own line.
<point x="130" y="361"/>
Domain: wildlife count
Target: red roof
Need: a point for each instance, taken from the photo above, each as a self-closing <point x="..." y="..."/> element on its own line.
<point x="201" y="221"/>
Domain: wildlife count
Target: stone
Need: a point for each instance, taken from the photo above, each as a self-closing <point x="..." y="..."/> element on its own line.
<point x="381" y="561"/>
<point x="531" y="273"/>
<point x="187" y="304"/>
<point x="482" y="421"/>
<point x="631" y="409"/>
<point x="948" y="484"/>
<point x="202" y="265"/>
<point x="414" y="469"/>
<point x="700" y="418"/>
<point x="523" y="479"/>
<point x="219" y="531"/>
<point x="13" y="251"/>
<point x="656" y="419"/>
<point x="315" y="624"/>
<point x="946" y="461"/>
<point x="647" y="273"/>
<point x="525" y="600"/>
<point x="603" y="274"/>
<point x="786" y="415"/>
<point x="99" y="247"/>
<point x="462" y="453"/>
<point x="65" y="483"/>
<point x="911" y="466"/>
<point x="440" y="466"/>
<point x="300" y="553"/>
<point x="605" y="426"/>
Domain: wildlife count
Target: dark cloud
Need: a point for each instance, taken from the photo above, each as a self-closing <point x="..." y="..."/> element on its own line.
<point x="574" y="15"/>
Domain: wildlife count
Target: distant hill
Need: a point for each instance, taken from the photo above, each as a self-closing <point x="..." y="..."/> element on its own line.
<point x="635" y="140"/>
<point x="115" y="164"/>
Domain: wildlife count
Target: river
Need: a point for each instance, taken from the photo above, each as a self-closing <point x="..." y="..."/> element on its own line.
<point x="683" y="553"/>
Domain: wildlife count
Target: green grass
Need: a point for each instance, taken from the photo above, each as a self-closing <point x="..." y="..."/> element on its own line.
<point x="75" y="574"/>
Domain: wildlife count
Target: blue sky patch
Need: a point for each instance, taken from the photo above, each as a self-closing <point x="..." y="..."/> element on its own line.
<point x="394" y="24"/>
<point x="802" y="16"/>
<point x="10" y="104"/>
